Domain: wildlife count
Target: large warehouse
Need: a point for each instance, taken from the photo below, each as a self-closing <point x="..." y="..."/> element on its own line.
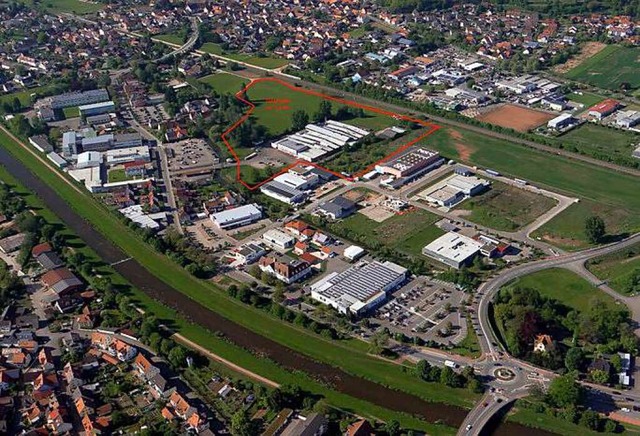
<point x="411" y="162"/>
<point x="240" y="216"/>
<point x="453" y="249"/>
<point x="453" y="190"/>
<point x="360" y="288"/>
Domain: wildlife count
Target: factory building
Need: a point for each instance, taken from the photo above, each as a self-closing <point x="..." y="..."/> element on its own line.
<point x="561" y="121"/>
<point x="359" y="289"/>
<point x="104" y="107"/>
<point x="78" y="98"/>
<point x="240" y="216"/>
<point x="414" y="161"/>
<point x="453" y="249"/>
<point x="453" y="190"/>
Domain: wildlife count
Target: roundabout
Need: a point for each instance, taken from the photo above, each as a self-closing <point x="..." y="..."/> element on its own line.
<point x="504" y="374"/>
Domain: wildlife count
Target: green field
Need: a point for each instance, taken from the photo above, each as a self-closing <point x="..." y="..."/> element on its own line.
<point x="69" y="6"/>
<point x="506" y="207"/>
<point x="23" y="96"/>
<point x="224" y="83"/>
<point x="71" y="112"/>
<point x="219" y="346"/>
<point x="276" y="115"/>
<point x="600" y="142"/>
<point x="588" y="99"/>
<point x="610" y="194"/>
<point x="616" y="268"/>
<point x="349" y="355"/>
<point x="407" y="233"/>
<point x="268" y="62"/>
<point x="609" y="68"/>
<point x="171" y="38"/>
<point x="567" y="287"/>
<point x="551" y="424"/>
<point x="117" y="175"/>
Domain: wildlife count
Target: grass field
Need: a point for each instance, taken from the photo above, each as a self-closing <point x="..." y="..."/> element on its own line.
<point x="171" y="38"/>
<point x="588" y="99"/>
<point x="71" y="112"/>
<point x="268" y="62"/>
<point x="69" y="6"/>
<point x="609" y="68"/>
<point x="407" y="233"/>
<point x="117" y="175"/>
<point x="218" y="345"/>
<point x="506" y="207"/>
<point x="224" y="83"/>
<point x="601" y="191"/>
<point x="551" y="424"/>
<point x="595" y="140"/>
<point x="616" y="268"/>
<point x="276" y="116"/>
<point x="350" y="355"/>
<point x="566" y="287"/>
<point x="23" y="96"/>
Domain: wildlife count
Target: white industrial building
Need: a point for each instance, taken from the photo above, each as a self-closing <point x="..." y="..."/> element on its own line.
<point x="317" y="140"/>
<point x="285" y="193"/>
<point x="119" y="156"/>
<point x="138" y="216"/>
<point x="353" y="253"/>
<point x="278" y="239"/>
<point x="628" y="118"/>
<point x="89" y="159"/>
<point x="454" y="189"/>
<point x="561" y="121"/>
<point x="360" y="288"/>
<point x="240" y="216"/>
<point x="78" y="98"/>
<point x="453" y="249"/>
<point x="91" y="177"/>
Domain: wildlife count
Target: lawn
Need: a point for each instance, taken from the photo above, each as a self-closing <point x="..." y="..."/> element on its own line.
<point x="609" y="68"/>
<point x="219" y="346"/>
<point x="224" y="83"/>
<point x="407" y="233"/>
<point x="588" y="99"/>
<point x="350" y="355"/>
<point x="548" y="423"/>
<point x="276" y="102"/>
<point x="71" y="112"/>
<point x="268" y="62"/>
<point x="171" y="38"/>
<point x="567" y="287"/>
<point x="69" y="6"/>
<point x="505" y="207"/>
<point x="601" y="191"/>
<point x="23" y="96"/>
<point x="617" y="268"/>
<point x="600" y="142"/>
<point x="117" y="175"/>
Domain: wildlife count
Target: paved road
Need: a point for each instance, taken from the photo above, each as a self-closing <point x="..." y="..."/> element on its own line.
<point x="187" y="46"/>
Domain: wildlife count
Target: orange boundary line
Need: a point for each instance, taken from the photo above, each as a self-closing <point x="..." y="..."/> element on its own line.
<point x="434" y="127"/>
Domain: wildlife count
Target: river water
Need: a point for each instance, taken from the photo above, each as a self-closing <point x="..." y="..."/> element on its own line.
<point x="142" y="279"/>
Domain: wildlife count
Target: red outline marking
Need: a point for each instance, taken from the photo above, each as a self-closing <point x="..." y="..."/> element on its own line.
<point x="242" y="119"/>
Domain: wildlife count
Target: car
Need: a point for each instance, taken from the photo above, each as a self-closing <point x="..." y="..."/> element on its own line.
<point x="629" y="399"/>
<point x="485" y="404"/>
<point x="469" y="427"/>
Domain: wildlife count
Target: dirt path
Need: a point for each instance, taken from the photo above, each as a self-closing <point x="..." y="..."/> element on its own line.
<point x="464" y="151"/>
<point x="257" y="377"/>
<point x="589" y="50"/>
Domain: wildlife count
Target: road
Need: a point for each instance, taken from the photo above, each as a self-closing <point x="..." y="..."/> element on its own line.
<point x="187" y="46"/>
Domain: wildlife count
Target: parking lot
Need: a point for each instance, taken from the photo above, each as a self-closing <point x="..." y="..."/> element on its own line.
<point x="425" y="308"/>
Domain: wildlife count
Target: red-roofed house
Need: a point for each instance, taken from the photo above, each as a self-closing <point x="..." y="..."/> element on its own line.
<point x="604" y="108"/>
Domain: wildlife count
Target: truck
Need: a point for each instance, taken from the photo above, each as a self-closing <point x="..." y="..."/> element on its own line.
<point x="450" y="364"/>
<point x="492" y="172"/>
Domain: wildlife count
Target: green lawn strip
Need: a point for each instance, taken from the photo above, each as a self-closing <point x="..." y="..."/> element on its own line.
<point x="217" y="345"/>
<point x="269" y="62"/>
<point x="117" y="175"/>
<point x="616" y="268"/>
<point x="71" y="112"/>
<point x="567" y="287"/>
<point x="542" y="421"/>
<point x="170" y="38"/>
<point x="340" y="354"/>
<point x="611" y="193"/>
<point x="505" y="207"/>
<point x="70" y="6"/>
<point x="609" y="68"/>
<point x="469" y="346"/>
<point x="224" y="83"/>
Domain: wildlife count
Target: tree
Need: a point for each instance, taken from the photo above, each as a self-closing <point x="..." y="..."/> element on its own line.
<point x="392" y="428"/>
<point x="299" y="119"/>
<point x="564" y="391"/>
<point x="241" y="424"/>
<point x="574" y="359"/>
<point x="324" y="111"/>
<point x="590" y="419"/>
<point x="599" y="376"/>
<point x="378" y="342"/>
<point x="594" y="228"/>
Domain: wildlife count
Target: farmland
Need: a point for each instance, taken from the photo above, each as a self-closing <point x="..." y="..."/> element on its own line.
<point x="505" y="207"/>
<point x="515" y="117"/>
<point x="617" y="268"/>
<point x="610" y="68"/>
<point x="601" y="191"/>
<point x="567" y="287"/>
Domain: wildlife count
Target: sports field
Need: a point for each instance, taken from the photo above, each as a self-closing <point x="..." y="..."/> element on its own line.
<point x="601" y="191"/>
<point x="617" y="268"/>
<point x="566" y="287"/>
<point x="505" y="207"/>
<point x="515" y="117"/>
<point x="610" y="68"/>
